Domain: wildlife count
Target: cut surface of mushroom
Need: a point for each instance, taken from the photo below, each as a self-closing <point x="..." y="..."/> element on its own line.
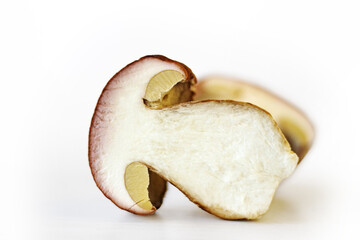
<point x="228" y="157"/>
<point x="296" y="127"/>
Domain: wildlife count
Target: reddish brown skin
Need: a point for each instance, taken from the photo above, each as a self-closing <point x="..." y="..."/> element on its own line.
<point x="189" y="76"/>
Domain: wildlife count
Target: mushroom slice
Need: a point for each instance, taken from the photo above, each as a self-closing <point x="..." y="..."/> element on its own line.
<point x="228" y="157"/>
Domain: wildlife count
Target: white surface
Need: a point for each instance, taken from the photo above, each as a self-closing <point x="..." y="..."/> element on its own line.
<point x="56" y="58"/>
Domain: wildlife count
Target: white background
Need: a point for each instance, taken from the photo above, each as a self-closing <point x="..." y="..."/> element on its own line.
<point x="57" y="57"/>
